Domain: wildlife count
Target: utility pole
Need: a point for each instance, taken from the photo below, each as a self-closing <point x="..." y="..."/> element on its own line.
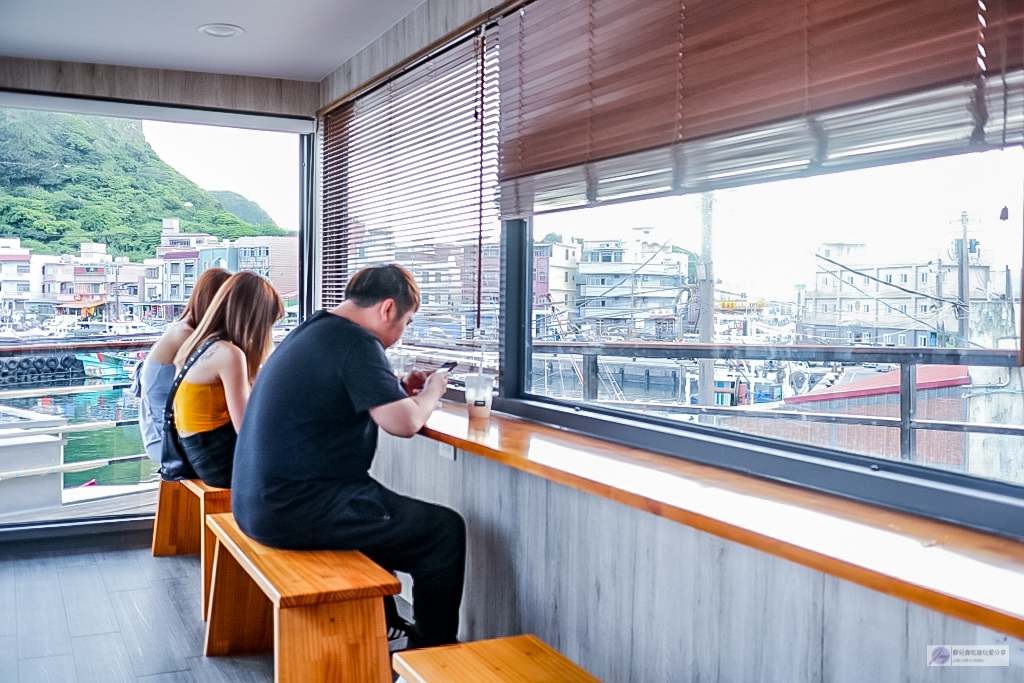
<point x="632" y="301"/>
<point x="117" y="291"/>
<point x="963" y="312"/>
<point x="939" y="322"/>
<point x="706" y="331"/>
<point x="1010" y="296"/>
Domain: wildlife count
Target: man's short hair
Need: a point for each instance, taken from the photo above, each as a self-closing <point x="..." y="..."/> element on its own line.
<point x="372" y="285"/>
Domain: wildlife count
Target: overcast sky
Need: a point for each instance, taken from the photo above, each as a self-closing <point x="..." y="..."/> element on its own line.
<point x="765" y="236"/>
<point x="258" y="165"/>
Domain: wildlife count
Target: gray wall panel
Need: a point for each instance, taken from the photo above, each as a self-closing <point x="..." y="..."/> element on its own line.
<point x="590" y="558"/>
<point x="497" y="555"/>
<point x="758" y="592"/>
<point x="633" y="597"/>
<point x="665" y="623"/>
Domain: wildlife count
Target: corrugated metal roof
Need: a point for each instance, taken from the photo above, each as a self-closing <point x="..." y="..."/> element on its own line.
<point x="928" y="377"/>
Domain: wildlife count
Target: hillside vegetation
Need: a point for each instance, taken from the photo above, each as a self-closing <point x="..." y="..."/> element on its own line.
<point x="66" y="179"/>
<point x="246" y="209"/>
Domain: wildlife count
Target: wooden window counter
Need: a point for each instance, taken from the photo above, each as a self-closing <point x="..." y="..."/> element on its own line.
<point x="963" y="573"/>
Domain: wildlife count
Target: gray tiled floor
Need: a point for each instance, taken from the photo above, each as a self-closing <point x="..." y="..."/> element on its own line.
<point x="102" y="609"/>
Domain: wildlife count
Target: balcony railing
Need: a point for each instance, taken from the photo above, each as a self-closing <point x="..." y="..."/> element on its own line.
<point x="37" y="427"/>
<point x="471" y="355"/>
<point x="908" y="360"/>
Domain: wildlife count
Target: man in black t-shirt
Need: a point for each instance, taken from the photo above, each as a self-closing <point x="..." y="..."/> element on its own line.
<point x="309" y="435"/>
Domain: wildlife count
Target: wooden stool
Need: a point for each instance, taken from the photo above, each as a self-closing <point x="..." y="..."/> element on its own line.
<point x="519" y="659"/>
<point x="321" y="610"/>
<point x="179" y="529"/>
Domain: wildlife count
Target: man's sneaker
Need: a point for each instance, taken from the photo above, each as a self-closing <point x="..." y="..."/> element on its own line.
<point x="398" y="639"/>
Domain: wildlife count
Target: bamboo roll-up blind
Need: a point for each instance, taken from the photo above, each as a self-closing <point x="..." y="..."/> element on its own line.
<point x="410" y="177"/>
<point x="604" y="100"/>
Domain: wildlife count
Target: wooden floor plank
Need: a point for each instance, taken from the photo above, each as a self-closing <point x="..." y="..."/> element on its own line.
<point x="182" y="596"/>
<point x="102" y="659"/>
<point x="151" y="630"/>
<point x="9" y="658"/>
<point x="8" y="591"/>
<point x="121" y="570"/>
<point x="41" y="621"/>
<point x="237" y="669"/>
<point x="36" y="566"/>
<point x="56" y="669"/>
<point x="76" y="557"/>
<point x="139" y="634"/>
<point x="159" y="569"/>
<point x="172" y="677"/>
<point x="86" y="601"/>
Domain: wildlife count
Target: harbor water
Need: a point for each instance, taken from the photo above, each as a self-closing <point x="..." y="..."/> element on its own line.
<point x="110" y="404"/>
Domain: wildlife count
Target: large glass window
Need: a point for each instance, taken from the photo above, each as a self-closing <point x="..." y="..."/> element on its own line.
<point x="696" y="247"/>
<point x="411" y="178"/>
<point x="799" y="267"/>
<point x="92" y="210"/>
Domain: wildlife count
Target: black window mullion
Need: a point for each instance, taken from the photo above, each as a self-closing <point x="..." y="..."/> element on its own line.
<point x="516" y="335"/>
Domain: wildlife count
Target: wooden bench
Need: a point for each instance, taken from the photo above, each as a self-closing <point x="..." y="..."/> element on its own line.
<point x="519" y="659"/>
<point x="179" y="529"/>
<point x="321" y="610"/>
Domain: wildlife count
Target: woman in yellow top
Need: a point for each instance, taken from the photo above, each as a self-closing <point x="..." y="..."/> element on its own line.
<point x="210" y="402"/>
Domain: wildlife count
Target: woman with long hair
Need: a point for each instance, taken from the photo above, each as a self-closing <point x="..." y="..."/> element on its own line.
<point x="230" y="344"/>
<point x="156" y="373"/>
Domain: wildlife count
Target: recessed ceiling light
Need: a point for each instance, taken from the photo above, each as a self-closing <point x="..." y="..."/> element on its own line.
<point x="221" y="30"/>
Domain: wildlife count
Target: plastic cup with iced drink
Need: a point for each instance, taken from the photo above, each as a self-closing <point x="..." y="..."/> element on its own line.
<point x="479" y="391"/>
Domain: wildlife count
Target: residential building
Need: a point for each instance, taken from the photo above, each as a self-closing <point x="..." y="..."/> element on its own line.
<point x="860" y="297"/>
<point x="153" y="287"/>
<point x="487" y="263"/>
<point x="630" y="288"/>
<point x="369" y="246"/>
<point x="224" y="255"/>
<point x="15" y="276"/>
<point x="554" y="287"/>
<point x="172" y="239"/>
<point x="179" y="277"/>
<point x="275" y="258"/>
<point x="91" y="284"/>
<point x="436" y="270"/>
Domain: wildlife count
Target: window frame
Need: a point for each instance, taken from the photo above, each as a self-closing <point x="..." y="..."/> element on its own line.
<point x="303" y="126"/>
<point x="903" y="486"/>
<point x="985" y="504"/>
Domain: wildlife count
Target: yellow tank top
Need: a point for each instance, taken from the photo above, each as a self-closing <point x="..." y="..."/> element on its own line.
<point x="200" y="407"/>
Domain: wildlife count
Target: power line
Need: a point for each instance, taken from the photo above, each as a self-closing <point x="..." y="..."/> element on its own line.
<point x="954" y="302"/>
<point x="917" y="320"/>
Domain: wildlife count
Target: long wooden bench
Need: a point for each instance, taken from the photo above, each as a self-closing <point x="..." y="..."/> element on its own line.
<point x="519" y="659"/>
<point x="179" y="528"/>
<point x="322" y="611"/>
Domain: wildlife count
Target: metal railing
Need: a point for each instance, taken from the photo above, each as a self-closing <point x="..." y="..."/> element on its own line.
<point x="908" y="360"/>
<point x="40" y="425"/>
<point x="96" y="344"/>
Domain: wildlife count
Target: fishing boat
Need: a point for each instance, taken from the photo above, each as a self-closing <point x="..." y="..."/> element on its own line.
<point x="114" y="328"/>
<point x="109" y="365"/>
<point x="99" y="365"/>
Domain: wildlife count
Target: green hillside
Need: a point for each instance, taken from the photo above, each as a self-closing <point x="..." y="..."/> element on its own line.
<point x="246" y="209"/>
<point x="66" y="179"/>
